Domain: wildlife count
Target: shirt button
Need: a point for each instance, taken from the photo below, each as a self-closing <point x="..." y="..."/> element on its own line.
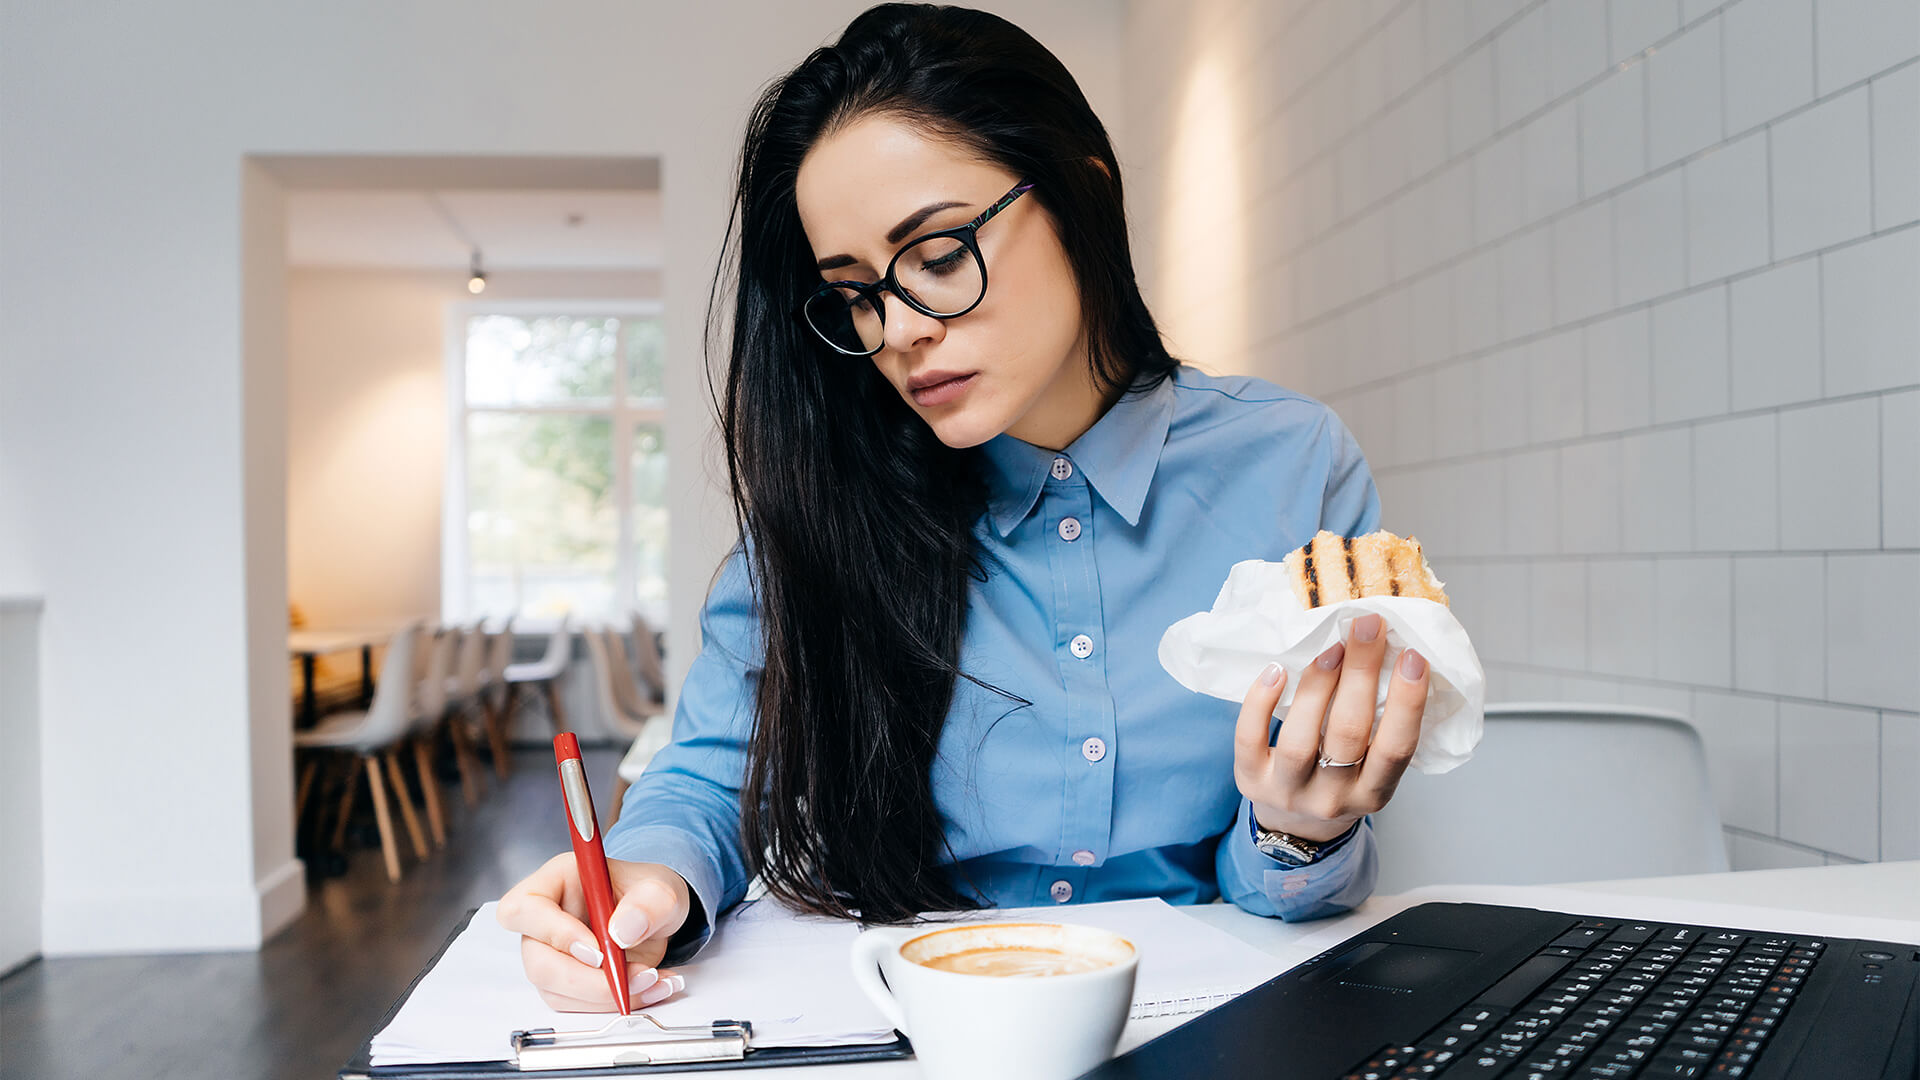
<point x="1062" y="468"/>
<point x="1081" y="645"/>
<point x="1069" y="529"/>
<point x="1061" y="892"/>
<point x="1083" y="858"/>
<point x="1093" y="749"/>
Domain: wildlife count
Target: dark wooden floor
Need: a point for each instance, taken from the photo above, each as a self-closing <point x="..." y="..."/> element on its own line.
<point x="302" y="1005"/>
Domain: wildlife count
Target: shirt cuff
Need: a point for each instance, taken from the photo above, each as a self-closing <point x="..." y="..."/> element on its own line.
<point x="679" y="851"/>
<point x="1257" y="882"/>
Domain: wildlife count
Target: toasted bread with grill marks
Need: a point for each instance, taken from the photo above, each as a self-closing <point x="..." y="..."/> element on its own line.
<point x="1333" y="568"/>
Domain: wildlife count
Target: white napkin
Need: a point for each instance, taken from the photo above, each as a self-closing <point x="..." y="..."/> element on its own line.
<point x="1257" y="620"/>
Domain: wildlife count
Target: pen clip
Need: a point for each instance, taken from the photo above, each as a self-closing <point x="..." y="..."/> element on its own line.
<point x="573" y="782"/>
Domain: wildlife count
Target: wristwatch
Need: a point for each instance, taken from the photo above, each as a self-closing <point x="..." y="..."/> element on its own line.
<point x="1291" y="849"/>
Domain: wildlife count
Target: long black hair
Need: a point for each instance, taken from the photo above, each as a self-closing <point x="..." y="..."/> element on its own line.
<point x="857" y="519"/>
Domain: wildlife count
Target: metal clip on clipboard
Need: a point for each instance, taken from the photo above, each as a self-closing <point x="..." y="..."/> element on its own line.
<point x="631" y="1040"/>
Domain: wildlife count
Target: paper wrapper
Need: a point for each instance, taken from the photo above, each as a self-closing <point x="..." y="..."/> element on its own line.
<point x="1257" y="620"/>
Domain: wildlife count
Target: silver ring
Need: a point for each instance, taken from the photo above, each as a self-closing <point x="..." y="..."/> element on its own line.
<point x="1326" y="762"/>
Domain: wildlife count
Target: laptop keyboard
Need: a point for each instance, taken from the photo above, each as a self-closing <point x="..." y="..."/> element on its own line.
<point x="1609" y="999"/>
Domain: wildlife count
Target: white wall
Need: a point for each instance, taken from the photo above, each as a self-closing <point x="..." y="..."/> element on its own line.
<point x="142" y="435"/>
<point x="1619" y="298"/>
<point x="20" y="848"/>
<point x="367" y="428"/>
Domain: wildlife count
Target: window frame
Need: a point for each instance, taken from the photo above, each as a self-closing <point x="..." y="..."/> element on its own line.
<point x="622" y="412"/>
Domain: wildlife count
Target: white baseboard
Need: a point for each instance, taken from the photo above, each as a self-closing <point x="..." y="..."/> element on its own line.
<point x="153" y="921"/>
<point x="283" y="896"/>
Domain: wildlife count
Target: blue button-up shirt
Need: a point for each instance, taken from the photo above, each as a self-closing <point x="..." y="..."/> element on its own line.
<point x="1117" y="782"/>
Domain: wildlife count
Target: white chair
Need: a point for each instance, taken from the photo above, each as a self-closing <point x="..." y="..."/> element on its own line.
<point x="493" y="696"/>
<point x="646" y="658"/>
<point x="623" y="710"/>
<point x="545" y="674"/>
<point x="371" y="736"/>
<point x="463" y="696"/>
<point x="429" y="710"/>
<point x="1558" y="793"/>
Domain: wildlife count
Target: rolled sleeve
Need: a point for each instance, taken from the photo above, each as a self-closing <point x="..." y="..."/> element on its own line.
<point x="1260" y="884"/>
<point x="684" y="810"/>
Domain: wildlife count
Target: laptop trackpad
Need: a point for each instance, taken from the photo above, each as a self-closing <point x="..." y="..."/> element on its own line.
<point x="1399" y="969"/>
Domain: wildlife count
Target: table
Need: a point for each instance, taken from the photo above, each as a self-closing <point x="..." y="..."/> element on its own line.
<point x="1880" y="900"/>
<point x="309" y="644"/>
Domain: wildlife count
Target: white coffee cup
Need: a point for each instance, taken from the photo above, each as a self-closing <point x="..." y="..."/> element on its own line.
<point x="1018" y="1025"/>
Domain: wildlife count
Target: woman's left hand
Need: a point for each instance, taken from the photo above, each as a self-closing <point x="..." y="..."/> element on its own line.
<point x="1329" y="766"/>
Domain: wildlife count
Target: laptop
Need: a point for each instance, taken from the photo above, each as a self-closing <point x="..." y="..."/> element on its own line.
<point x="1477" y="990"/>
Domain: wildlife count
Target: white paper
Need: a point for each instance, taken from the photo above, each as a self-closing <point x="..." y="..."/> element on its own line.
<point x="1257" y="620"/>
<point x="1186" y="966"/>
<point x="785" y="973"/>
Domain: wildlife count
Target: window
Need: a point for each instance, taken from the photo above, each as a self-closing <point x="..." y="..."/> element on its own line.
<point x="556" y="488"/>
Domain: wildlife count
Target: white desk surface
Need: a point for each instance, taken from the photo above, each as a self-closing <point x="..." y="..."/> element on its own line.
<point x="1867" y="900"/>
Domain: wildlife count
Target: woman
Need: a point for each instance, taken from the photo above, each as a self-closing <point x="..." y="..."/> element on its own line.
<point x="974" y="490"/>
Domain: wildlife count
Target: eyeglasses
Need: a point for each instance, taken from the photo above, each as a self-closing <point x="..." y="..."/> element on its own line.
<point x="940" y="274"/>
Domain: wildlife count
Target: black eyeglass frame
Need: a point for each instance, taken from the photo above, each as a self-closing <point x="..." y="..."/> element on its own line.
<point x="869" y="291"/>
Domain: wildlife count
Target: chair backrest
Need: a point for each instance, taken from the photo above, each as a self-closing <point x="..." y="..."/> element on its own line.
<point x="625" y="689"/>
<point x="469" y="661"/>
<point x="612" y="715"/>
<point x="559" y="647"/>
<point x="1558" y="793"/>
<point x="646" y="657"/>
<point x="499" y="650"/>
<point x="431" y="702"/>
<point x="392" y="707"/>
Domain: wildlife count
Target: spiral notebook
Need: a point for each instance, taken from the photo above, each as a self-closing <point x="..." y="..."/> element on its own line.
<point x="786" y="974"/>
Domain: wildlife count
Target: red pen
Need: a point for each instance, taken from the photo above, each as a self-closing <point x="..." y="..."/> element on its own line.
<point x="591" y="859"/>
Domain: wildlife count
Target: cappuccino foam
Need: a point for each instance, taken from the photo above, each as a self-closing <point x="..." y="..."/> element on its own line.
<point x="1018" y="950"/>
<point x="1017" y="961"/>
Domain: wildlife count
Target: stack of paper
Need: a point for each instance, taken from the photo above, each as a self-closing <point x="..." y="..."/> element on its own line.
<point x="788" y="974"/>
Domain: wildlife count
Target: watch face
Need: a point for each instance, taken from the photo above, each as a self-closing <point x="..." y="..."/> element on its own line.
<point x="1284" y="848"/>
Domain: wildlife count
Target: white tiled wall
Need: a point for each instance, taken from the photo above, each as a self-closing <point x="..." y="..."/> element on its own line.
<point x="1622" y="298"/>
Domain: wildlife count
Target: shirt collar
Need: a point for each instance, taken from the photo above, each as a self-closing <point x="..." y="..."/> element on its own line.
<point x="1118" y="454"/>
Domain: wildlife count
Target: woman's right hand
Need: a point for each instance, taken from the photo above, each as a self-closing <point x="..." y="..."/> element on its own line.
<point x="562" y="956"/>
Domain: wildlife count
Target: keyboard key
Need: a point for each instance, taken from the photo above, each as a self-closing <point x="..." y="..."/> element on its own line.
<point x="1582" y="937"/>
<point x="1485" y="1061"/>
<point x="1521" y="982"/>
<point x="1633" y="933"/>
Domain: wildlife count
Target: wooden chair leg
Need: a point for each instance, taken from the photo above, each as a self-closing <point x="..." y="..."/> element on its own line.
<point x="405" y="798"/>
<point x="470" y="780"/>
<point x="307" y="774"/>
<point x="430" y="789"/>
<point x="495" y="721"/>
<point x="389" y="850"/>
<point x="554" y="712"/>
<point x="346" y="807"/>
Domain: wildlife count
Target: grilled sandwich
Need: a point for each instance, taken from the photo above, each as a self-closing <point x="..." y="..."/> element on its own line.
<point x="1332" y="568"/>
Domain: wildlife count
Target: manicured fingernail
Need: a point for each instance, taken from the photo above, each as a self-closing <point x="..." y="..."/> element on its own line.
<point x="1366" y="628"/>
<point x="1332" y="657"/>
<point x="585" y="953"/>
<point x="1412" y="666"/>
<point x="641" y="979"/>
<point x="1270" y="675"/>
<point x="628" y="927"/>
<point x="663" y="989"/>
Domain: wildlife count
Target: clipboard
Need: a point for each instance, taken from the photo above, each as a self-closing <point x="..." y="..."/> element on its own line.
<point x="723" y="1044"/>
